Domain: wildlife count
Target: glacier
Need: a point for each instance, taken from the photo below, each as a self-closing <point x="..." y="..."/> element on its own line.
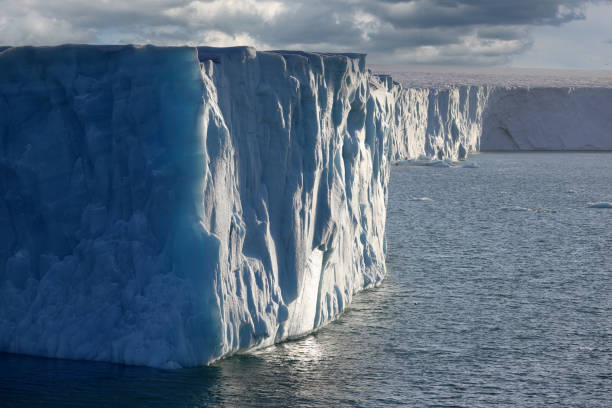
<point x="450" y="122"/>
<point x="168" y="206"/>
<point x="544" y="118"/>
<point x="507" y="109"/>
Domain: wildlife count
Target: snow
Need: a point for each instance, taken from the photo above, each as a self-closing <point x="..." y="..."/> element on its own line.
<point x="168" y="206"/>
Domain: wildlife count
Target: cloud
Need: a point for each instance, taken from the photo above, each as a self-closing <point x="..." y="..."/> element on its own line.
<point x="427" y="31"/>
<point x="435" y="13"/>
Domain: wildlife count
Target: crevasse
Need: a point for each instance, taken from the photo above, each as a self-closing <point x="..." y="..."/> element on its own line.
<point x="170" y="206"/>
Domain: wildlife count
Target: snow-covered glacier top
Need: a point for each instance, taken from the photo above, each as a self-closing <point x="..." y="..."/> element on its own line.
<point x="422" y="76"/>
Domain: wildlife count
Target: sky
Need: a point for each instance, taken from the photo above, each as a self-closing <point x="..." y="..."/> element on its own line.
<point x="522" y="33"/>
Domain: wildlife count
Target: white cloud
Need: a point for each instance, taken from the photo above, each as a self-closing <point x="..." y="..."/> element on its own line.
<point x="428" y="31"/>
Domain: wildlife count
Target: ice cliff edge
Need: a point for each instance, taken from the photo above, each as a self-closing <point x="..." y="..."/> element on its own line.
<point x="168" y="206"/>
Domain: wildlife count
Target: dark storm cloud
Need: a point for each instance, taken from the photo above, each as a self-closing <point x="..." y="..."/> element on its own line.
<point x="502" y="32"/>
<point x="435" y="13"/>
<point x="463" y="31"/>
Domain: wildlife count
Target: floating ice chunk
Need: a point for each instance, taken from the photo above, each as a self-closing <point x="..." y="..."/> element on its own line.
<point x="442" y="163"/>
<point x="545" y="210"/>
<point x="516" y="209"/>
<point x="426" y="163"/>
<point x="420" y="199"/>
<point x="602" y="204"/>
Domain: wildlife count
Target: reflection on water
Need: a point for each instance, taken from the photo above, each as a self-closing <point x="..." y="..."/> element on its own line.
<point x="273" y="376"/>
<point x="29" y="381"/>
<point x="482" y="307"/>
<point x="268" y="377"/>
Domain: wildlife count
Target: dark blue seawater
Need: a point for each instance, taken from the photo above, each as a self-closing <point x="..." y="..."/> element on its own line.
<point x="499" y="293"/>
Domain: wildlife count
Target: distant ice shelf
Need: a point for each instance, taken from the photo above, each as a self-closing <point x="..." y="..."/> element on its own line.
<point x="167" y="206"/>
<point x="511" y="109"/>
<point x="543" y="119"/>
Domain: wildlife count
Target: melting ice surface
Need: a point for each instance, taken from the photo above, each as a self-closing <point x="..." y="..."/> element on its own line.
<point x="481" y="308"/>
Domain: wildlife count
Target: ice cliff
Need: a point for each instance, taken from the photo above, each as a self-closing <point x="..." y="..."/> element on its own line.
<point x="435" y="123"/>
<point x="548" y="118"/>
<point x="169" y="206"/>
<point x="450" y="122"/>
<point x="504" y="108"/>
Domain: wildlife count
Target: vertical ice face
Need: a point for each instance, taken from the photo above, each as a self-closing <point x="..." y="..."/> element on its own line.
<point x="104" y="255"/>
<point x="443" y="123"/>
<point x="518" y="110"/>
<point x="168" y="206"/>
<point x="548" y="118"/>
<point x="307" y="228"/>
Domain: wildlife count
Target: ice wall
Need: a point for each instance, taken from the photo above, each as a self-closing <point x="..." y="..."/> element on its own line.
<point x="499" y="109"/>
<point x="168" y="206"/>
<point x="103" y="254"/>
<point x="452" y="121"/>
<point x="549" y="118"/>
<point x="310" y="177"/>
<point x="443" y="123"/>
